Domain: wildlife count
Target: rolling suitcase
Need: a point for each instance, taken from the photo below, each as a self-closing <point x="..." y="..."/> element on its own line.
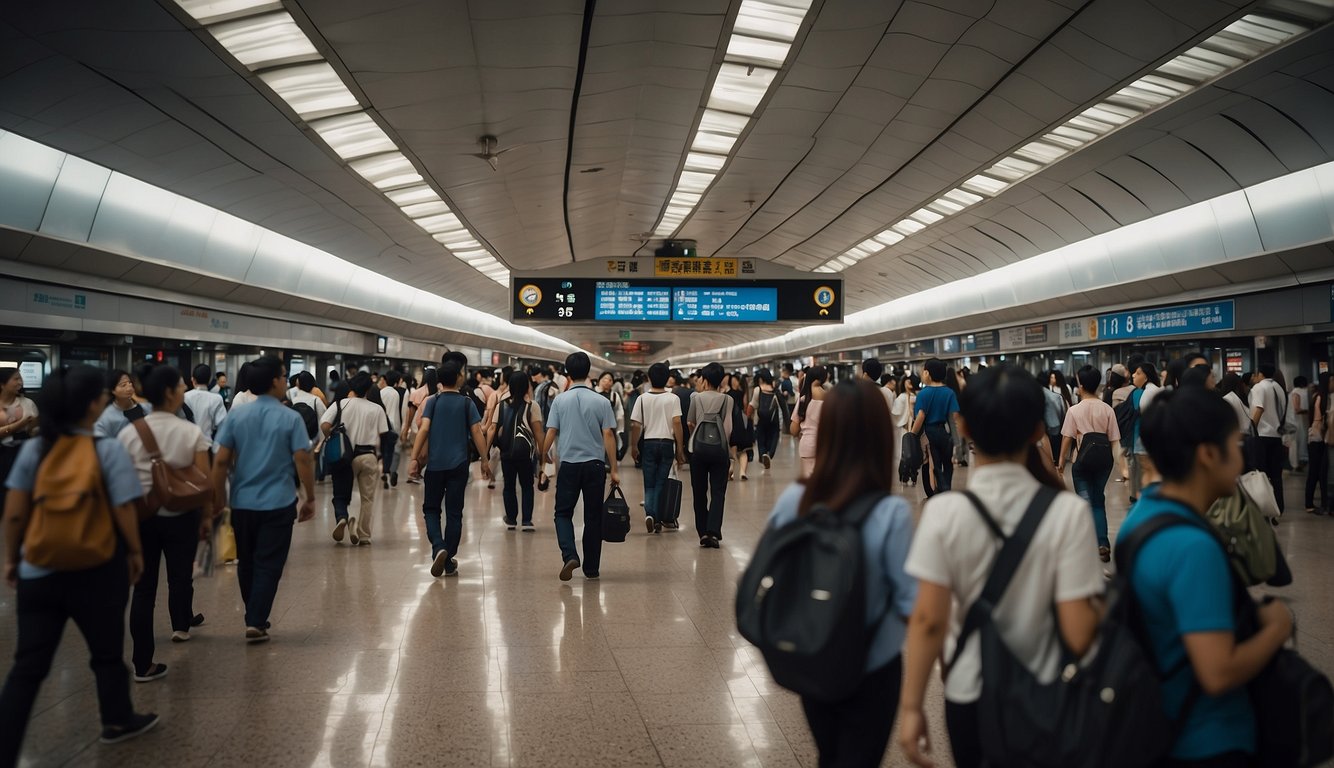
<point x="669" y="501"/>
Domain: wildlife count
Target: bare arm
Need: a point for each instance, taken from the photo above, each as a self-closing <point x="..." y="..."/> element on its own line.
<point x="222" y="465"/>
<point x="423" y="440"/>
<point x="679" y="434"/>
<point x="918" y="423"/>
<point x="635" y="430"/>
<point x="127" y="522"/>
<point x="479" y="440"/>
<point x="926" y="637"/>
<point x="1221" y="663"/>
<point x="17" y="511"/>
<point x="549" y="443"/>
<point x="305" y="472"/>
<point x="1078" y="622"/>
<point x="1067" y="445"/>
<point x="609" y="445"/>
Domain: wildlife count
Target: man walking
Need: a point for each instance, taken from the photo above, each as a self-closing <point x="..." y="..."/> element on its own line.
<point x="583" y="422"/>
<point x="710" y="454"/>
<point x="207" y="407"/>
<point x="1268" y="413"/>
<point x="442" y="449"/>
<point x="364" y="423"/>
<point x="936" y="404"/>
<point x="257" y="448"/>
<point x="656" y="417"/>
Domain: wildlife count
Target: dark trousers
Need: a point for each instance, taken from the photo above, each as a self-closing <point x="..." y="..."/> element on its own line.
<point x="1269" y="457"/>
<point x="518" y="474"/>
<point x="95" y="600"/>
<point x="389" y="453"/>
<point x="962" y="724"/>
<point x="263" y="539"/>
<point x="174" y="539"/>
<point x="767" y="432"/>
<point x="708" y="485"/>
<point x="1317" y="474"/>
<point x="854" y="732"/>
<point x="657" y="456"/>
<point x="343" y="480"/>
<point x="940" y="456"/>
<point x="573" y="480"/>
<point x="448" y="486"/>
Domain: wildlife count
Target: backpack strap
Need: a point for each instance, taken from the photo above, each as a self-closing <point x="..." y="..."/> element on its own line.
<point x="1007" y="563"/>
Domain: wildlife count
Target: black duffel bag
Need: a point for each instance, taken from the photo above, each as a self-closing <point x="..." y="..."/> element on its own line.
<point x="615" y="516"/>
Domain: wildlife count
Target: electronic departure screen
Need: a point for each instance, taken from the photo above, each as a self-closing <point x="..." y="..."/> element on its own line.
<point x="666" y="300"/>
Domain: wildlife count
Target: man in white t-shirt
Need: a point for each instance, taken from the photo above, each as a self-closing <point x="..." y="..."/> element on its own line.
<point x="1268" y="411"/>
<point x="657" y="417"/>
<point x="365" y="422"/>
<point x="207" y="407"/>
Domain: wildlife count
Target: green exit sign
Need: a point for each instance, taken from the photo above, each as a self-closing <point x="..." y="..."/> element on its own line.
<point x="625" y="335"/>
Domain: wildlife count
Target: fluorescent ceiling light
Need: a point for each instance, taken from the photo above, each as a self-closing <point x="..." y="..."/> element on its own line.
<point x="265" y="41"/>
<point x="352" y="136"/>
<point x="1070" y="136"/>
<point x="387" y="171"/>
<point x="1012" y="168"/>
<point x="754" y="50"/>
<point x="1041" y="152"/>
<point x="946" y="206"/>
<point x="211" y="11"/>
<point x="846" y="261"/>
<point x="443" y="222"/>
<point x="418" y="210"/>
<point x="410" y="195"/>
<point x="739" y="88"/>
<point x="725" y="123"/>
<point x="985" y="185"/>
<point x="311" y="90"/>
<point x="871" y="246"/>
<point x="695" y="181"/>
<point x="857" y="253"/>
<point x="698" y="161"/>
<point x="963" y="196"/>
<point x="686" y="198"/>
<point x="717" y="143"/>
<point x="909" y="227"/>
<point x="925" y="216"/>
<point x="889" y="237"/>
<point x="777" y="21"/>
<point x="826" y="268"/>
<point x="1111" y="114"/>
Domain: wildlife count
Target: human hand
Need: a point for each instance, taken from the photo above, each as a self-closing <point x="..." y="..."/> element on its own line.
<point x="205" y="527"/>
<point x="615" y="477"/>
<point x="12" y="574"/>
<point x="913" y="737"/>
<point x="307" y="511"/>
<point x="135" y="561"/>
<point x="634" y="455"/>
<point x="1276" y="613"/>
<point x="487" y="474"/>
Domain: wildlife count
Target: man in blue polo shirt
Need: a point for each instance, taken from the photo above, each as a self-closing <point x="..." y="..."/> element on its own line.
<point x="936" y="405"/>
<point x="257" y="447"/>
<point x="584" y="423"/>
<point x="1182" y="583"/>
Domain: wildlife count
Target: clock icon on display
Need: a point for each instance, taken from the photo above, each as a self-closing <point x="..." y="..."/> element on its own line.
<point x="530" y="296"/>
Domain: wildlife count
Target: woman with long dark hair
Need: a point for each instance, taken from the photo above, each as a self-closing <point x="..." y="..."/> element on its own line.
<point x="1317" y="470"/>
<point x="1145" y="379"/>
<point x="743" y="431"/>
<point x="806" y="416"/>
<point x="956" y="545"/>
<point x="124" y="406"/>
<point x="49" y="595"/>
<point x="855" y="443"/>
<point x="768" y="409"/>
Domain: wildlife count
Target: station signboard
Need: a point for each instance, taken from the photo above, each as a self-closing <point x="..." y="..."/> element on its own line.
<point x="1207" y="317"/>
<point x="669" y="300"/>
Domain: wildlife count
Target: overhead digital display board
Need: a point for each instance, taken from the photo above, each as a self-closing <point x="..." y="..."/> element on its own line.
<point x="666" y="300"/>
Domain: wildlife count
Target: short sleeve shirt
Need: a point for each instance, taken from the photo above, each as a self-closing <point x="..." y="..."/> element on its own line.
<point x="810" y="428"/>
<point x="451" y="416"/>
<point x="208" y="409"/>
<point x="938" y="403"/>
<point x="263" y="437"/>
<point x="655" y="411"/>
<point x="1091" y="415"/>
<point x="955" y="549"/>
<point x="1269" y="396"/>
<point x="579" y="416"/>
<point x="118" y="473"/>
<point x="113" y="419"/>
<point x="177" y="439"/>
<point x="707" y="404"/>
<point x="1183" y="585"/>
<point x="365" y="421"/>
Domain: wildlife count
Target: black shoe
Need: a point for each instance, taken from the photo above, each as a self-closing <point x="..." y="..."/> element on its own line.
<point x="154" y="672"/>
<point x="709" y="542"/>
<point x="567" y="570"/>
<point x="510" y="523"/>
<point x="198" y="620"/>
<point x="138" y="724"/>
<point x="672" y="525"/>
<point x="393" y="479"/>
<point x="384" y="481"/>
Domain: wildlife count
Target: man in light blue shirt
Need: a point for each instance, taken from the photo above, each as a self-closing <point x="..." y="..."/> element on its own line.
<point x="207" y="407"/>
<point x="585" y="425"/>
<point x="258" y="447"/>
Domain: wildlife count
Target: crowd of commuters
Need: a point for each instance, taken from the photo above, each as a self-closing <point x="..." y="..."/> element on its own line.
<point x="1176" y="438"/>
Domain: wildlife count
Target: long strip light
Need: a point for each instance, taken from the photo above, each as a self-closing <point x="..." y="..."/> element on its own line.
<point x="1237" y="44"/>
<point x="266" y="40"/>
<point x="761" y="39"/>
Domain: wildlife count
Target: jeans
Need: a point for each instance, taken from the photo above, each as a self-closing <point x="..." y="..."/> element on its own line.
<point x="1269" y="453"/>
<point x="855" y="731"/>
<point x="95" y="599"/>
<point x="708" y="486"/>
<point x="449" y="486"/>
<point x="518" y="471"/>
<point x="940" y="448"/>
<point x="657" y="457"/>
<point x="587" y="479"/>
<point x="175" y="539"/>
<point x="1317" y="474"/>
<point x="389" y="453"/>
<point x="1092" y="487"/>
<point x="767" y="432"/>
<point x="263" y="539"/>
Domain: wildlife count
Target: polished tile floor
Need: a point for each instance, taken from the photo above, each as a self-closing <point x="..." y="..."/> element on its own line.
<point x="373" y="662"/>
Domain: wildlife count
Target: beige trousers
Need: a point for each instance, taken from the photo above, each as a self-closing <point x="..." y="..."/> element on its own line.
<point x="366" y="473"/>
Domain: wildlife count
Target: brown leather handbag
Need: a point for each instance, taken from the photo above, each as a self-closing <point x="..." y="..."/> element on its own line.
<point x="177" y="490"/>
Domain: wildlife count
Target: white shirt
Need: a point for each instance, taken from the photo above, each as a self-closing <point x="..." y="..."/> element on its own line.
<point x="1268" y="396"/>
<point x="208" y="409"/>
<point x="177" y="439"/>
<point x="20" y="409"/>
<point x="365" y="421"/>
<point x="889" y="400"/>
<point x="953" y="548"/>
<point x="297" y="395"/>
<point x="243" y="398"/>
<point x="655" y="410"/>
<point x="393" y="407"/>
<point x="1243" y="418"/>
<point x="903" y="410"/>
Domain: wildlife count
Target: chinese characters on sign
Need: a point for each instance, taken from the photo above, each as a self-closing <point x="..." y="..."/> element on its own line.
<point x="621" y="301"/>
<point x="695" y="267"/>
<point x="1167" y="321"/>
<point x="622" y="267"/>
<point x="732" y="304"/>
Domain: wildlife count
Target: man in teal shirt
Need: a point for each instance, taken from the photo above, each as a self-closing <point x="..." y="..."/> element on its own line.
<point x="263" y="448"/>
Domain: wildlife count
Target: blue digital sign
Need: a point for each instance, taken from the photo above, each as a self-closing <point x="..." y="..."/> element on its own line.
<point x="731" y="305"/>
<point x="621" y="301"/>
<point x="1168" y="321"/>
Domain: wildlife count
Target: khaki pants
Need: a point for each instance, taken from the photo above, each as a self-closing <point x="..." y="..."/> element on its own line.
<point x="366" y="472"/>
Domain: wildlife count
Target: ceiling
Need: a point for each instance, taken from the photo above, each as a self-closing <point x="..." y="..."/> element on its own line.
<point x="881" y="107"/>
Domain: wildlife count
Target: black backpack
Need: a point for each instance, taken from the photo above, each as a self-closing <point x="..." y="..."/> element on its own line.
<point x="307" y="415"/>
<point x="1293" y="701"/>
<point x="769" y="409"/>
<point x="710" y="442"/>
<point x="1126" y="416"/>
<point x="802" y="601"/>
<point x="515" y="439"/>
<point x="1095" y="453"/>
<point x="338" y="449"/>
<point x="1104" y="711"/>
